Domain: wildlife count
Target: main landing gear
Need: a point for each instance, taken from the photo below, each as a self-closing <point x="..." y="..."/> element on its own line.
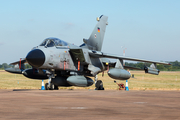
<point x="98" y="84"/>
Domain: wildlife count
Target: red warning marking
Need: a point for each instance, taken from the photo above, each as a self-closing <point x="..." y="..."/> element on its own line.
<point x="78" y="65"/>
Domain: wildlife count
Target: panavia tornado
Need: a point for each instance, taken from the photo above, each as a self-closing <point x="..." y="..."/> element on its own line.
<point x="65" y="64"/>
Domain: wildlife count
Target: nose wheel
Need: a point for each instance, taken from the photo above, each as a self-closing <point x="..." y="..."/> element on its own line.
<point x="51" y="86"/>
<point x="46" y="86"/>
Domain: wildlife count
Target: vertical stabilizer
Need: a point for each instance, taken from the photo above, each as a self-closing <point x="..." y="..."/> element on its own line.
<point x="95" y="40"/>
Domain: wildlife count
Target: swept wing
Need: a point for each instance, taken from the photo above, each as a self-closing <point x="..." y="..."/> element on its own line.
<point x="106" y="55"/>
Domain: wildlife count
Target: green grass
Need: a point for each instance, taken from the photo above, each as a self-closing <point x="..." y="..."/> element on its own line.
<point x="142" y="81"/>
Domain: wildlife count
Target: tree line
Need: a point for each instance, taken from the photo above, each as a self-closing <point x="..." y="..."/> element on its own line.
<point x="175" y="66"/>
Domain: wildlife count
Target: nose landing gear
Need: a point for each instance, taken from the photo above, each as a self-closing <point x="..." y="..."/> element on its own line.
<point x="50" y="85"/>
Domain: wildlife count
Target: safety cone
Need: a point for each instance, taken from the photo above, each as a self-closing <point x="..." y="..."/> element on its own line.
<point x="127" y="89"/>
<point x="42" y="87"/>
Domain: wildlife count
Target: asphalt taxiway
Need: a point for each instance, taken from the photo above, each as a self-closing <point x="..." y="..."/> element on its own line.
<point x="89" y="104"/>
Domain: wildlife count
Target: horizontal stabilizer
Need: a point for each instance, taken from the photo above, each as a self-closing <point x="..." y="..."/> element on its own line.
<point x="14" y="70"/>
<point x="19" y="67"/>
<point x="22" y="62"/>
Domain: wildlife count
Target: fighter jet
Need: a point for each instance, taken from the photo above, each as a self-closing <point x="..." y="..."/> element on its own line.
<point x="65" y="64"/>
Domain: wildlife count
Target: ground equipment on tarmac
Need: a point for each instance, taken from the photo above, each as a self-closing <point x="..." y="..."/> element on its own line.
<point x="120" y="85"/>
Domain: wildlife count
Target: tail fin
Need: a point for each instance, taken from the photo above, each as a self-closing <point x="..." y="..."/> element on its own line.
<point x="95" y="40"/>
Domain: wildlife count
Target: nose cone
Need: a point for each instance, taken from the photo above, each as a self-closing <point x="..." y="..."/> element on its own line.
<point x="36" y="58"/>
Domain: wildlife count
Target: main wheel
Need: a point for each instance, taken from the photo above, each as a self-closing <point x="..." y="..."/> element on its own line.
<point x="99" y="85"/>
<point x="51" y="86"/>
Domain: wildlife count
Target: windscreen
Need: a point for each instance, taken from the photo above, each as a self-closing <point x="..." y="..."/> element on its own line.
<point x="51" y="42"/>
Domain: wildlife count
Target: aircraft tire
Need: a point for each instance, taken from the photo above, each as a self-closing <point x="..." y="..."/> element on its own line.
<point x="99" y="85"/>
<point x="51" y="86"/>
<point x="46" y="86"/>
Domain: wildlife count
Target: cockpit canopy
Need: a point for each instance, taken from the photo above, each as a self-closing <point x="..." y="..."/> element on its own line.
<point x="51" y="42"/>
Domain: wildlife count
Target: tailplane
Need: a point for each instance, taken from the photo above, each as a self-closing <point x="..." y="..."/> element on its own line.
<point x="95" y="40"/>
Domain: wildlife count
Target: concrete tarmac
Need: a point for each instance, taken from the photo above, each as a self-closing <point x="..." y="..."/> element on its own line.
<point x="89" y="105"/>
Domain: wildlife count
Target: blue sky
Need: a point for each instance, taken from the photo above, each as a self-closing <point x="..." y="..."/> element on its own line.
<point x="149" y="29"/>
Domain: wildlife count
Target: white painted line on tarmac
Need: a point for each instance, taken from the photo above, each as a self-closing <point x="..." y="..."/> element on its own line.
<point x="140" y="102"/>
<point x="75" y="108"/>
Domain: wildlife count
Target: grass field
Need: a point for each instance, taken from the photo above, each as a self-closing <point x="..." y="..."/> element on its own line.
<point x="142" y="81"/>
